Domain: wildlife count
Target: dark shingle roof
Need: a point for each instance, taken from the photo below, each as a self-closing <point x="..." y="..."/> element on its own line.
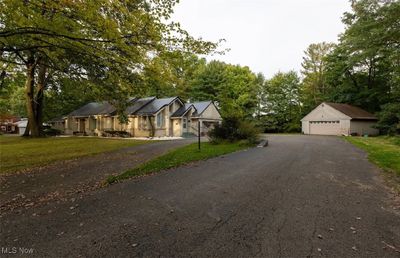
<point x="182" y="110"/>
<point x="352" y="111"/>
<point x="200" y="107"/>
<point x="154" y="106"/>
<point x="94" y="108"/>
<point x="56" y="119"/>
<point x="138" y="104"/>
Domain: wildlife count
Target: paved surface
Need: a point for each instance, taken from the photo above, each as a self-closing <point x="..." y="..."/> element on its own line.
<point x="63" y="179"/>
<point x="302" y="196"/>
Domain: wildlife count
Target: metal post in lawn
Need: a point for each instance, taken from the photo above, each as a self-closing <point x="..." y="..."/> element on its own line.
<point x="198" y="132"/>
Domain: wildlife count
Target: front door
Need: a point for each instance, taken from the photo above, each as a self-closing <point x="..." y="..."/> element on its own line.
<point x="184" y="125"/>
<point x="81" y="125"/>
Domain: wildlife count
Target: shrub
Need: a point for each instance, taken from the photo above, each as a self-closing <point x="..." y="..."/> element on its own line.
<point x="234" y="129"/>
<point x="51" y="132"/>
<point x="111" y="133"/>
<point x="389" y="119"/>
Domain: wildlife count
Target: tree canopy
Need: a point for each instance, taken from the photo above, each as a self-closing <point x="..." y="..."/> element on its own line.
<point x="71" y="52"/>
<point x="106" y="45"/>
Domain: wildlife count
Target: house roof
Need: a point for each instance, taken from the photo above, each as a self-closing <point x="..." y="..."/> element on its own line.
<point x="200" y="107"/>
<point x="56" y="119"/>
<point x="155" y="105"/>
<point x="94" y="108"/>
<point x="182" y="110"/>
<point x="352" y="111"/>
<point x="138" y="104"/>
<point x="143" y="106"/>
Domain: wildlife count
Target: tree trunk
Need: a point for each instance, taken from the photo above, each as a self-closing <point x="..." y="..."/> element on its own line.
<point x="41" y="85"/>
<point x="27" y="129"/>
<point x="29" y="93"/>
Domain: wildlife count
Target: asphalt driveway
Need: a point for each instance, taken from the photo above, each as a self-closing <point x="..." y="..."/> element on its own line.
<point x="67" y="179"/>
<point x="302" y="196"/>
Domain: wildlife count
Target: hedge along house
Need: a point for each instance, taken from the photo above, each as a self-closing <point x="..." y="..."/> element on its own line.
<point x="339" y="119"/>
<point x="146" y="117"/>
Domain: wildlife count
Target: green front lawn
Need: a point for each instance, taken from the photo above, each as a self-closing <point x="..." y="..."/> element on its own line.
<point x="383" y="151"/>
<point x="17" y="153"/>
<point x="179" y="157"/>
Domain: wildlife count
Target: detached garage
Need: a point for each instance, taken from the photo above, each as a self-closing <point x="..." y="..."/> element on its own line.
<point x="339" y="119"/>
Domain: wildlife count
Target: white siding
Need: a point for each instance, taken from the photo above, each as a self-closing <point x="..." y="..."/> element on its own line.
<point x="325" y="112"/>
<point x="363" y="127"/>
<point x="323" y="120"/>
<point x="305" y="125"/>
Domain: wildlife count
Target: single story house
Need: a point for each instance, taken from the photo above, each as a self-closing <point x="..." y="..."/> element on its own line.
<point x="146" y="117"/>
<point x="339" y="119"/>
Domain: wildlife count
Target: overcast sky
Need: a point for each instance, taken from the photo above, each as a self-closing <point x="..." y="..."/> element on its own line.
<point x="266" y="35"/>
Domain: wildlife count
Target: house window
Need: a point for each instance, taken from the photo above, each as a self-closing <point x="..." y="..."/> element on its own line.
<point x="160" y="120"/>
<point x="184" y="123"/>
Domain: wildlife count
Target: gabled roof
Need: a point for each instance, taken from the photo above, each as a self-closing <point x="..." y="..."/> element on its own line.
<point x="143" y="106"/>
<point x="155" y="105"/>
<point x="352" y="111"/>
<point x="94" y="108"/>
<point x="200" y="107"/>
<point x="138" y="104"/>
<point x="182" y="110"/>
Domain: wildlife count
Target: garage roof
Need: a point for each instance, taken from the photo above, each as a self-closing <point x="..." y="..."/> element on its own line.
<point x="352" y="111"/>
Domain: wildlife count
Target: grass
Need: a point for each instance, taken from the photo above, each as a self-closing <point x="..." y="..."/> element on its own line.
<point x="384" y="151"/>
<point x="18" y="153"/>
<point x="180" y="157"/>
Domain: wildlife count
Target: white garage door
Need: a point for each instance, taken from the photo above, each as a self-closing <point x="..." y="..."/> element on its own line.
<point x="325" y="127"/>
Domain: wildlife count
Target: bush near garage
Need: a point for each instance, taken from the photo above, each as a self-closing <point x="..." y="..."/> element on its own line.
<point x="234" y="129"/>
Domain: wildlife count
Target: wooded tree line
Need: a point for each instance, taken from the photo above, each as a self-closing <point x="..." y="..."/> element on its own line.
<point x="362" y="69"/>
<point x="143" y="59"/>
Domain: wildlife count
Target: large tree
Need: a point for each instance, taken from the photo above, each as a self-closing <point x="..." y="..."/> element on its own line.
<point x="172" y="74"/>
<point x="364" y="68"/>
<point x="282" y="103"/>
<point x="106" y="44"/>
<point x="233" y="87"/>
<point x="314" y="85"/>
